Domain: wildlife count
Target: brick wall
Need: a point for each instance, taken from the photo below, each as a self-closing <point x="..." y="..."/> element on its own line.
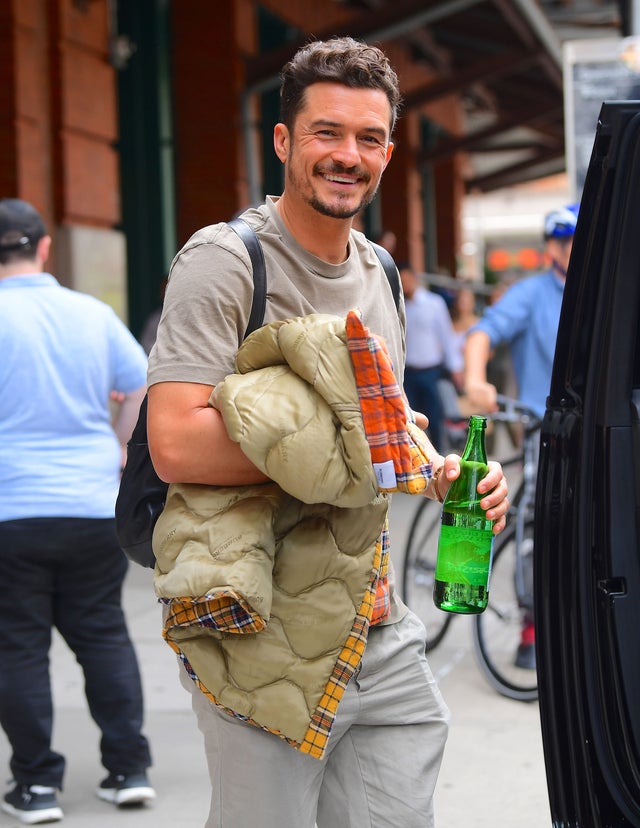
<point x="58" y="119"/>
<point x="208" y="78"/>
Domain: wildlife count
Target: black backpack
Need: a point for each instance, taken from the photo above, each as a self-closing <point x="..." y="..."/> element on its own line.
<point x="142" y="494"/>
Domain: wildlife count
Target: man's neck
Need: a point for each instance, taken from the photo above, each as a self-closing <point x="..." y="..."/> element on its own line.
<point x="322" y="236"/>
<point x="558" y="270"/>
<point x="19" y="269"/>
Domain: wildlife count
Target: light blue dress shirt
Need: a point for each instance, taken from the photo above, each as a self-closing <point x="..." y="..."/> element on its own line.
<point x="62" y="353"/>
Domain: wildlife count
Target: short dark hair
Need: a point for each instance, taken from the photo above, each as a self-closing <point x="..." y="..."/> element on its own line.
<point x="337" y="60"/>
<point x="21" y="228"/>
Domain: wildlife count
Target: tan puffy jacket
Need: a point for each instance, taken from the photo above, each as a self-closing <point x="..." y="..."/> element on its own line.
<point x="270" y="588"/>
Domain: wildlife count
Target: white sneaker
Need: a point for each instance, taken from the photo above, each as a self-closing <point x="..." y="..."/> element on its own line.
<point x="126" y="789"/>
<point x="32" y="804"/>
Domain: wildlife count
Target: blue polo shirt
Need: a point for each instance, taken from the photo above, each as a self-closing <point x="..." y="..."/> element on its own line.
<point x="62" y="353"/>
<point x="527" y="317"/>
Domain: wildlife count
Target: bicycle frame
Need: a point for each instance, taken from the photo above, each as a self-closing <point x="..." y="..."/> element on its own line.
<point x="524" y="498"/>
<point x="419" y="558"/>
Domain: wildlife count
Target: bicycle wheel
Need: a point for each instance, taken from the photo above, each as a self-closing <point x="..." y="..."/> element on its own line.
<point x="497" y="631"/>
<point x="419" y="569"/>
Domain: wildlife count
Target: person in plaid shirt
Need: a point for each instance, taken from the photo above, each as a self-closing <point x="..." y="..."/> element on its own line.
<point x="339" y="102"/>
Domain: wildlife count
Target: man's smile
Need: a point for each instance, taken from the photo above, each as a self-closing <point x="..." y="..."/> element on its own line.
<point x="341" y="177"/>
<point x="338" y="179"/>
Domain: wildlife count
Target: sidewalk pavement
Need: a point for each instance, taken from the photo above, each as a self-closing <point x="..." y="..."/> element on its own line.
<point x="179" y="771"/>
<point x="493" y="771"/>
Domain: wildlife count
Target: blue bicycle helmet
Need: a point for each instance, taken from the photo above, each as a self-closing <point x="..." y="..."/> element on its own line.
<point x="561" y="224"/>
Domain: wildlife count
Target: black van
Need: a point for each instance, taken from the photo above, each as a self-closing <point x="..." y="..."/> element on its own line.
<point x="587" y="537"/>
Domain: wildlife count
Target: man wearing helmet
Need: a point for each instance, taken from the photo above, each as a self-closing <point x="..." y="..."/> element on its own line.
<point x="526" y="318"/>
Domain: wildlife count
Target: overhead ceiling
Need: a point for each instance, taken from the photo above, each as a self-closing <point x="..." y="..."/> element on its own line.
<point x="503" y="58"/>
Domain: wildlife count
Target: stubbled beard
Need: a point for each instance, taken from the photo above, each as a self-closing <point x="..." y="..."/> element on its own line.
<point x="336" y="211"/>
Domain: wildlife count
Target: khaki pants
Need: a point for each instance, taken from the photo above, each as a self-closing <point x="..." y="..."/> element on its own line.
<point x="383" y="757"/>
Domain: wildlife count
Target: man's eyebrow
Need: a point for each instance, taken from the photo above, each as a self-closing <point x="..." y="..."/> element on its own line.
<point x="325" y="122"/>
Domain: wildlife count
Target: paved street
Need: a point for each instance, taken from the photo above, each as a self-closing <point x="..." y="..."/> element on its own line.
<point x="493" y="772"/>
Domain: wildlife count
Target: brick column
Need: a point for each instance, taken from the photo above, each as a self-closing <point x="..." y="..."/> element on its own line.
<point x="208" y="80"/>
<point x="25" y="123"/>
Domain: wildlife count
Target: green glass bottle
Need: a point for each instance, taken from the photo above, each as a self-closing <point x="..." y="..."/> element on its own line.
<point x="465" y="544"/>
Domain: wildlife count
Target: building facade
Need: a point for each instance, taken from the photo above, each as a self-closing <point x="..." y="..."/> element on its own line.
<point x="129" y="125"/>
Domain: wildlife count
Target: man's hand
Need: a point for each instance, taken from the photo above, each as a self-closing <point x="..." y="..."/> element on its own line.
<point x="125" y="416"/>
<point x="481" y="396"/>
<point x="422" y="421"/>
<point x="493" y="487"/>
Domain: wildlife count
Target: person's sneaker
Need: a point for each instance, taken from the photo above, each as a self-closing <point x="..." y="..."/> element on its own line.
<point x="32" y="804"/>
<point x="126" y="789"/>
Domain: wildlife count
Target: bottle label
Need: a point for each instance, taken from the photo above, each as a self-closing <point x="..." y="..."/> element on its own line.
<point x="464" y="551"/>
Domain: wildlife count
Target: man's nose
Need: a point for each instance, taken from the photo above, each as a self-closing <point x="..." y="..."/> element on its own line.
<point x="346" y="151"/>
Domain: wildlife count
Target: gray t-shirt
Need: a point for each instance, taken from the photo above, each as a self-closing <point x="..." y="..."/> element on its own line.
<point x="208" y="298"/>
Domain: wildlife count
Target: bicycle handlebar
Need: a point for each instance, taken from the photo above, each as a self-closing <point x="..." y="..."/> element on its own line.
<point x="513" y="411"/>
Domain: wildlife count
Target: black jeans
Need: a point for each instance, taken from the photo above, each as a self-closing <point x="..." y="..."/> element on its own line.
<point x="66" y="573"/>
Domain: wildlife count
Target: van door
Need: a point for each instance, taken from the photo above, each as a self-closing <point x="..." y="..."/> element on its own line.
<point x="587" y="539"/>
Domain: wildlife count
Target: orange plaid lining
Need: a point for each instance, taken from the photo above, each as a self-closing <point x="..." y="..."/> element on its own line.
<point x="397" y="445"/>
<point x="382" y="601"/>
<point x="226" y="611"/>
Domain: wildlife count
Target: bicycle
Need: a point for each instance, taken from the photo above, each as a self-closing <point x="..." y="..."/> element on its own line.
<point x="422" y="540"/>
<point x="497" y="631"/>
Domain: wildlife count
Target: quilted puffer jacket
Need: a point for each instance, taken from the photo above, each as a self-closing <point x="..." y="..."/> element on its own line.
<point x="270" y="588"/>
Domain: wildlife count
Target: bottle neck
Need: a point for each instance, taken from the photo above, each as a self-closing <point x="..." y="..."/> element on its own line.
<point x="475" y="449"/>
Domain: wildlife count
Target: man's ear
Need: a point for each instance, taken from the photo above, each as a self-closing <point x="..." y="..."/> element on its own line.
<point x="42" y="249"/>
<point x="281" y="141"/>
<point x="390" y="147"/>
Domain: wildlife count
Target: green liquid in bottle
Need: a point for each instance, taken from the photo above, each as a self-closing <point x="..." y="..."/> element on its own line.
<point x="465" y="545"/>
<point x="464" y="563"/>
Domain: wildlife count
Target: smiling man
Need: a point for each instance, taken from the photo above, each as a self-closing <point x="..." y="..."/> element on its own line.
<point x="385" y="719"/>
<point x="336" y="161"/>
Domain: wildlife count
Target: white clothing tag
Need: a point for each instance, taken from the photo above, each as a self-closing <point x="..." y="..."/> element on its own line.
<point x="385" y="474"/>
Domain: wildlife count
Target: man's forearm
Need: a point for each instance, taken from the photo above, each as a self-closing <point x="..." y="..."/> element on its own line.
<point x="126" y="415"/>
<point x="480" y="393"/>
<point x="188" y="440"/>
<point x="477" y="350"/>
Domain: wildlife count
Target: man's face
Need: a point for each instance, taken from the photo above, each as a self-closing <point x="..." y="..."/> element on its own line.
<point x="338" y="149"/>
<point x="560" y="251"/>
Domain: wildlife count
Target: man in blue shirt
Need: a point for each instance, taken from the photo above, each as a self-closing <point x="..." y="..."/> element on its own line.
<point x="526" y="318"/>
<point x="64" y="354"/>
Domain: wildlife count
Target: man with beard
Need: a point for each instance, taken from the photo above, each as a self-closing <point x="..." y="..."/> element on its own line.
<point x="339" y="101"/>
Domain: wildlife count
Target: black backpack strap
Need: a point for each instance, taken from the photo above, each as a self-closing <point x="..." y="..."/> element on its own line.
<point x="389" y="266"/>
<point x="252" y="243"/>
